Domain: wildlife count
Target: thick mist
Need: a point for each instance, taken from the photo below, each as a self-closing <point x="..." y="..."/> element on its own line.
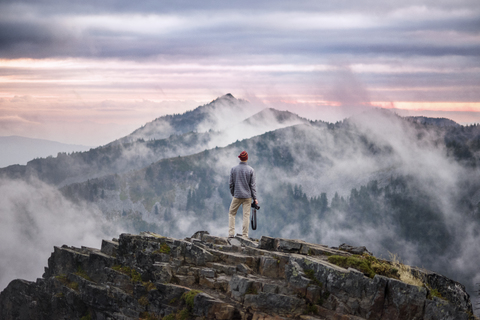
<point x="34" y="217"/>
<point x="374" y="146"/>
<point x="401" y="149"/>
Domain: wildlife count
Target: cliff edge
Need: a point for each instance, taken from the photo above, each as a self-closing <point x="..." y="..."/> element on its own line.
<point x="149" y="276"/>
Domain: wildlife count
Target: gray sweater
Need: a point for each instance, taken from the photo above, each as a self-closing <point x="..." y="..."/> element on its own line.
<point x="242" y="182"/>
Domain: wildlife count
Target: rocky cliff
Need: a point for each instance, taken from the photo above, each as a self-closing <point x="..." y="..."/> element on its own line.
<point x="149" y="276"/>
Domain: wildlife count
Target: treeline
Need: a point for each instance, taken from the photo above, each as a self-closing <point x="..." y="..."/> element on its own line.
<point x="463" y="144"/>
<point x="401" y="206"/>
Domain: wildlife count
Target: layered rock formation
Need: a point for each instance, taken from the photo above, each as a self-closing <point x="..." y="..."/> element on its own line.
<point x="148" y="276"/>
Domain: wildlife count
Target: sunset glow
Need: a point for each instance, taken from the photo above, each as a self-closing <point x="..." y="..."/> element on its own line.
<point x="92" y="73"/>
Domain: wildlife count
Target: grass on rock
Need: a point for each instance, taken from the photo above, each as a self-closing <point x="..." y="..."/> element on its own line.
<point x="367" y="264"/>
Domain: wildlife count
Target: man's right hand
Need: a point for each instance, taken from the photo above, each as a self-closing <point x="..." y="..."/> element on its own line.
<point x="256" y="202"/>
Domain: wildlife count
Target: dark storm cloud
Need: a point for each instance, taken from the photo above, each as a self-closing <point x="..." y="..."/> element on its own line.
<point x="268" y="5"/>
<point x="23" y="37"/>
<point x="188" y="30"/>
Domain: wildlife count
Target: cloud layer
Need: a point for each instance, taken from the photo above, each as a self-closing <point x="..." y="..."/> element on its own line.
<point x="184" y="30"/>
<point x="80" y="55"/>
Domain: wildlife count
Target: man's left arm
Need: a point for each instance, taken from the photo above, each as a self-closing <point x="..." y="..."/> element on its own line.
<point x="253" y="187"/>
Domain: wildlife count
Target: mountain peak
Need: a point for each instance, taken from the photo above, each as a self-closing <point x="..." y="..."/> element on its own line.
<point x="229" y="98"/>
<point x="197" y="119"/>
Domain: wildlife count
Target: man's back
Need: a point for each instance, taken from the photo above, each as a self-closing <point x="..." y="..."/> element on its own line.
<point x="242" y="182"/>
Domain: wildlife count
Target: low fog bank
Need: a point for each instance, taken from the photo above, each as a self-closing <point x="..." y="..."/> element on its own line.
<point x="35" y="217"/>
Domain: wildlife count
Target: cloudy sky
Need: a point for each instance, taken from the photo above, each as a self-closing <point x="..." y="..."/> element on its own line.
<point x="87" y="72"/>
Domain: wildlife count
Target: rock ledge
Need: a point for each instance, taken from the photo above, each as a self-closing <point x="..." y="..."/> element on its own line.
<point x="149" y="276"/>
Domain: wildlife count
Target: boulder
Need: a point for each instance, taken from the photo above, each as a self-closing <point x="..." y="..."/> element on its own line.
<point x="287" y="245"/>
<point x="439" y="309"/>
<point x="211" y="308"/>
<point x="238" y="286"/>
<point x="404" y="301"/>
<point x="109" y="247"/>
<point x="163" y="272"/>
<point x="354" y="250"/>
<point x="277" y="303"/>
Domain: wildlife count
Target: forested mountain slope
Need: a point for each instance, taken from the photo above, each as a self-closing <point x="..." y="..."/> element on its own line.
<point x="128" y="153"/>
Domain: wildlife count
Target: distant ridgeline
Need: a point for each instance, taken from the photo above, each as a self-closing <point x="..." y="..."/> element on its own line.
<point x="149" y="276"/>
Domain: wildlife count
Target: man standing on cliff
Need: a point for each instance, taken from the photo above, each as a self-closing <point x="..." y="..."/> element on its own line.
<point x="243" y="189"/>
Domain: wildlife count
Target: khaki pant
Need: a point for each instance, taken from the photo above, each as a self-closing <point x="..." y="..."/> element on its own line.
<point x="246" y="204"/>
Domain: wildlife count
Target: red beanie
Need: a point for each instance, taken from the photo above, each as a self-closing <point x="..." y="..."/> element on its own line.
<point x="243" y="156"/>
